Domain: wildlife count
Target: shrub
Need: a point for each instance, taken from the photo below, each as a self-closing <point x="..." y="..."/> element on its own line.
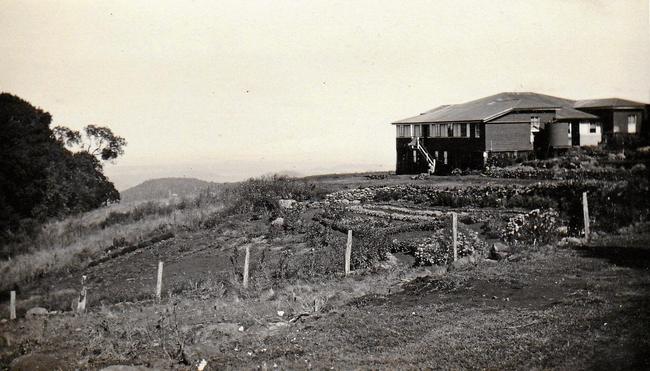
<point x="261" y="195"/>
<point x="534" y="227"/>
<point x="370" y="247"/>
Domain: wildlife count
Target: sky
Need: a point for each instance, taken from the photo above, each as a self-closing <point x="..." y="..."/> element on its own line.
<point x="225" y="90"/>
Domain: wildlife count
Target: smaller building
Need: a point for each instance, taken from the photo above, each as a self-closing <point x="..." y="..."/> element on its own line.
<point x="618" y="116"/>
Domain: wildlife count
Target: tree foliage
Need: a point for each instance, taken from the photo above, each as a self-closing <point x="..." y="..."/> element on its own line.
<point x="39" y="177"/>
<point x="97" y="140"/>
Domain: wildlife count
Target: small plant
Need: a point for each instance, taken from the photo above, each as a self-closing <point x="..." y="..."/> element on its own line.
<point x="536" y="227"/>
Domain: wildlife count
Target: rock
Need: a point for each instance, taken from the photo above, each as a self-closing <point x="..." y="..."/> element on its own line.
<point x="563" y="230"/>
<point x="36" y="312"/>
<point x="36" y="361"/>
<point x="499" y="251"/>
<point x="278" y="223"/>
<point x="574" y="241"/>
<point x="287" y="204"/>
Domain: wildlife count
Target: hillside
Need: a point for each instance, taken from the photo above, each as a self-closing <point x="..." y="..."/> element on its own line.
<point x="154" y="189"/>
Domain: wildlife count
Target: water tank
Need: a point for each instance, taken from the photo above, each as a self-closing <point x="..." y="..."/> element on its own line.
<point x="559" y="135"/>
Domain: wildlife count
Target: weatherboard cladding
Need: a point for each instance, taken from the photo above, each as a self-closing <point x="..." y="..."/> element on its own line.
<point x="508" y="137"/>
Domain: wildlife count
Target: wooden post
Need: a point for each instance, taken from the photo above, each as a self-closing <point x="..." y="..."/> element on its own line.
<point x="585" y="212"/>
<point x="246" y="262"/>
<point x="454" y="234"/>
<point x="159" y="281"/>
<point x="81" y="303"/>
<point x="348" y="252"/>
<point x="12" y="305"/>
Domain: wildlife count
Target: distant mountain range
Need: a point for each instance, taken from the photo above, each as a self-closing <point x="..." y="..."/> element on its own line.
<point x="154" y="189"/>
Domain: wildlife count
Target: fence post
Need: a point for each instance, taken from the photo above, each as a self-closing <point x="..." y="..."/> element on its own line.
<point x="454" y="234"/>
<point x="246" y="261"/>
<point x="159" y="281"/>
<point x="12" y="305"/>
<point x="348" y="252"/>
<point x="585" y="213"/>
<point x="83" y="294"/>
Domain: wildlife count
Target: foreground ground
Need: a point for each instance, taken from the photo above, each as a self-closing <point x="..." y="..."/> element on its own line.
<point x="568" y="306"/>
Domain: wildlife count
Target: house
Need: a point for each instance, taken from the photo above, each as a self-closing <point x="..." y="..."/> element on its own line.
<point x="619" y="117"/>
<point x="502" y="125"/>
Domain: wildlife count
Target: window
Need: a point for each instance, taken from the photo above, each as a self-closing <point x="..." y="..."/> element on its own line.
<point x="463" y="130"/>
<point x="425" y="131"/>
<point x="477" y="130"/>
<point x="444" y="132"/>
<point x="457" y="130"/>
<point x="445" y="156"/>
<point x="417" y="130"/>
<point x="435" y="130"/>
<point x="403" y="131"/>
<point x="592" y="127"/>
<point x="631" y="123"/>
<point x="450" y="130"/>
<point x="534" y="124"/>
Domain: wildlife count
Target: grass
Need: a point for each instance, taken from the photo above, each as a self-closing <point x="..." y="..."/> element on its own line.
<point x="553" y="308"/>
<point x="74" y="242"/>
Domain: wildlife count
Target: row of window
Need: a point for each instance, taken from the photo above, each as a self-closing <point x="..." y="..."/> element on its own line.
<point x="631" y="125"/>
<point x="451" y="130"/>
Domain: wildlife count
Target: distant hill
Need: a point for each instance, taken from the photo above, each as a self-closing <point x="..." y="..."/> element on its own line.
<point x="154" y="189"/>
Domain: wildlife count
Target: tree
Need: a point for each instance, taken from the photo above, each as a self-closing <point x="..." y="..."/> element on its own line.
<point x="39" y="177"/>
<point x="98" y="141"/>
<point x="25" y="143"/>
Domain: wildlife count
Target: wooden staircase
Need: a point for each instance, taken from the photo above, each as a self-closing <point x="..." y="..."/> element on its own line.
<point x="416" y="145"/>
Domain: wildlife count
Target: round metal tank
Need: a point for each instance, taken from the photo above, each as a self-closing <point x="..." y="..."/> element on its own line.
<point x="558" y="134"/>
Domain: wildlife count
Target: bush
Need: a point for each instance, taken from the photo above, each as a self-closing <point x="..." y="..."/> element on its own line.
<point x="261" y="195"/>
<point x="370" y="247"/>
<point x="535" y="227"/>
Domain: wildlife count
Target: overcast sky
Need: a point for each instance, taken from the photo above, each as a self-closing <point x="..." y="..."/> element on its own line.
<point x="226" y="90"/>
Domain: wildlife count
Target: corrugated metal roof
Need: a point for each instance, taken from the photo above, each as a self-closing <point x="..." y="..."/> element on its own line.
<point x="607" y="103"/>
<point x="570" y="113"/>
<point x="488" y="108"/>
